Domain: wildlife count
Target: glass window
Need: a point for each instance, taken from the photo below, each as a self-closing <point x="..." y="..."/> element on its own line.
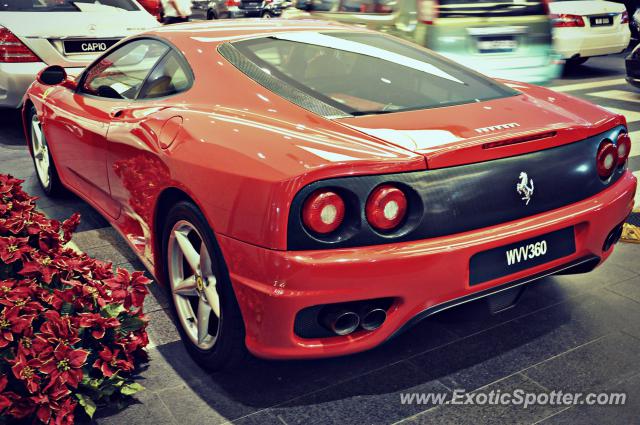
<point x="66" y="5"/>
<point x="364" y="73"/>
<point x="168" y="78"/>
<point x="120" y="75"/>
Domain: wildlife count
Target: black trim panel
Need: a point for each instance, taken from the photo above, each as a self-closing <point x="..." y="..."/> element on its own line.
<point x="457" y="199"/>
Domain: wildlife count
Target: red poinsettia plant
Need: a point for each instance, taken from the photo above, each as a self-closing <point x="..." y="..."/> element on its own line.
<point x="72" y="332"/>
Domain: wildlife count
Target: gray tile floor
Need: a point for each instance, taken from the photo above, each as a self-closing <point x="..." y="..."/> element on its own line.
<point x="573" y="333"/>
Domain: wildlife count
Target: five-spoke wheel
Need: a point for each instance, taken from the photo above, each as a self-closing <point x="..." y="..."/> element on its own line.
<point x="42" y="160"/>
<point x="203" y="301"/>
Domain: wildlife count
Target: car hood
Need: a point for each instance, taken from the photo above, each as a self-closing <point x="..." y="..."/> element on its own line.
<point x="98" y="22"/>
<point x="535" y="119"/>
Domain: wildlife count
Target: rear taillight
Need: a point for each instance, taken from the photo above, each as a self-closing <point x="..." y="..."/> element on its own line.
<point x="561" y="20"/>
<point x="427" y="11"/>
<point x="623" y="146"/>
<point x="386" y="207"/>
<point x="625" y="17"/>
<point x="606" y="159"/>
<point x="233" y="2"/>
<point x="12" y="50"/>
<point x="323" y="212"/>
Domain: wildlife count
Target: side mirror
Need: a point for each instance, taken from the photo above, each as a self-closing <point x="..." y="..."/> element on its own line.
<point x="52" y="75"/>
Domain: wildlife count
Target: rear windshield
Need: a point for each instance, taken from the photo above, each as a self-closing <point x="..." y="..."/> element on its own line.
<point x="490" y="8"/>
<point x="66" y="5"/>
<point x="360" y="73"/>
<point x="446" y="8"/>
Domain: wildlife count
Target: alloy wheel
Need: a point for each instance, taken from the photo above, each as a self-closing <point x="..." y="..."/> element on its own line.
<point x="193" y="285"/>
<point x="40" y="152"/>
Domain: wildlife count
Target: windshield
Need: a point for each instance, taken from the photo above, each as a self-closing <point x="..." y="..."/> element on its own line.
<point x="363" y="73"/>
<point x="66" y="5"/>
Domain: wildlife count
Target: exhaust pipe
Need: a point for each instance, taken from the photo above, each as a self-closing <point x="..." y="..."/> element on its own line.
<point x="340" y="321"/>
<point x="372" y="319"/>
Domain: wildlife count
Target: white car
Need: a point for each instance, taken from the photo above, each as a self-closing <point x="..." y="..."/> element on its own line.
<point x="38" y="33"/>
<point x="586" y="28"/>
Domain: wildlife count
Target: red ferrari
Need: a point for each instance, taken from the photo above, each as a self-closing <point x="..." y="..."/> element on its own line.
<point x="307" y="189"/>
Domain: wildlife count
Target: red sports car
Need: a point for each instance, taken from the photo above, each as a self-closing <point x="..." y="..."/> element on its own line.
<point x="307" y="189"/>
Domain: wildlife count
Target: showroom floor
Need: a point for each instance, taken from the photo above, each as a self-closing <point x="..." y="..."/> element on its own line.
<point x="572" y="333"/>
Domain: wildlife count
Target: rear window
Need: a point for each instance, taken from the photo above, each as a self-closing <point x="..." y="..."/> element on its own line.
<point x="358" y="73"/>
<point x="66" y="5"/>
<point x="490" y="8"/>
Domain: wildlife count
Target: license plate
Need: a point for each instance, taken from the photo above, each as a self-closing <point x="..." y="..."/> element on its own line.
<point x="87" y="46"/>
<point x="505" y="260"/>
<point x="601" y="21"/>
<point x="497" y="45"/>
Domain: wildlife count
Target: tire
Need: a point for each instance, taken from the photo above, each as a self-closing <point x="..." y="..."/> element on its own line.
<point x="45" y="168"/>
<point x="577" y="61"/>
<point x="267" y="15"/>
<point x="226" y="349"/>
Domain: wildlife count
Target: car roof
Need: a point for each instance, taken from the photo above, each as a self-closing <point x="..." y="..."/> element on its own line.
<point x="218" y="32"/>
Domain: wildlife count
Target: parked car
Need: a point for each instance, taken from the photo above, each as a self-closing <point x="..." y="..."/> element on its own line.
<point x="216" y="9"/>
<point x="154" y="7"/>
<point x="502" y="39"/>
<point x="632" y="63"/>
<point x="261" y="8"/>
<point x="308" y="189"/>
<point x="586" y="28"/>
<point x="35" y="33"/>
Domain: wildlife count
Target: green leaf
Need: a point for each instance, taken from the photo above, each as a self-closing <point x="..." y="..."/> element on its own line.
<point x="112" y="310"/>
<point x="66" y="309"/>
<point x="87" y="403"/>
<point x="131" y="389"/>
<point x="131" y="324"/>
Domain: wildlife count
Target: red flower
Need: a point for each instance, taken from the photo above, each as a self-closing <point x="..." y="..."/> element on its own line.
<point x="26" y="371"/>
<point x="64" y="365"/>
<point x="40" y="266"/>
<point x="97" y="323"/>
<point x="56" y="330"/>
<point x="6" y="398"/>
<point x="13" y="249"/>
<point x="53" y="403"/>
<point x="12" y="323"/>
<point x="109" y="363"/>
<point x="69" y="226"/>
<point x="131" y="288"/>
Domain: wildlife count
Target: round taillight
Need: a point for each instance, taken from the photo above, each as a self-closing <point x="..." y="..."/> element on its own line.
<point x="607" y="159"/>
<point x="623" y="146"/>
<point x="323" y="211"/>
<point x="386" y="207"/>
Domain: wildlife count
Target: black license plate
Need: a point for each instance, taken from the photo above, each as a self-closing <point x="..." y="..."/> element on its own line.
<point x="505" y="260"/>
<point x="601" y="21"/>
<point x="87" y="46"/>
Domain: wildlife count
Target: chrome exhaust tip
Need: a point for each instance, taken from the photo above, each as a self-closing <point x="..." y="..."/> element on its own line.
<point x="373" y="319"/>
<point x="341" y="322"/>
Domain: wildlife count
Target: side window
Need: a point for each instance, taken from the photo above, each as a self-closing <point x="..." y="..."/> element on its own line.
<point x="169" y="77"/>
<point x="120" y="75"/>
<point x="367" y="6"/>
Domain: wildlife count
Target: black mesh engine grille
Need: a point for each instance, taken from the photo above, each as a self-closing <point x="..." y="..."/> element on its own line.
<point x="457" y="199"/>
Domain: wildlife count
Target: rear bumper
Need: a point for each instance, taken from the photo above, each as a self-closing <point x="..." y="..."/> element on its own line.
<point x="580" y="42"/>
<point x="273" y="286"/>
<point x="15" y="79"/>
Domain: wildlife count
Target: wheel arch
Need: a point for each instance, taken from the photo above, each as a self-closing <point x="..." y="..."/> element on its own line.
<point x="26" y="109"/>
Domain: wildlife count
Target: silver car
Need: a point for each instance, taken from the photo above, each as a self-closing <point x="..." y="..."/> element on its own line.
<point x="69" y="33"/>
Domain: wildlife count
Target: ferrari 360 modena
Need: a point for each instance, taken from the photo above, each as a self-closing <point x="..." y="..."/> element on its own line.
<point x="306" y="189"/>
